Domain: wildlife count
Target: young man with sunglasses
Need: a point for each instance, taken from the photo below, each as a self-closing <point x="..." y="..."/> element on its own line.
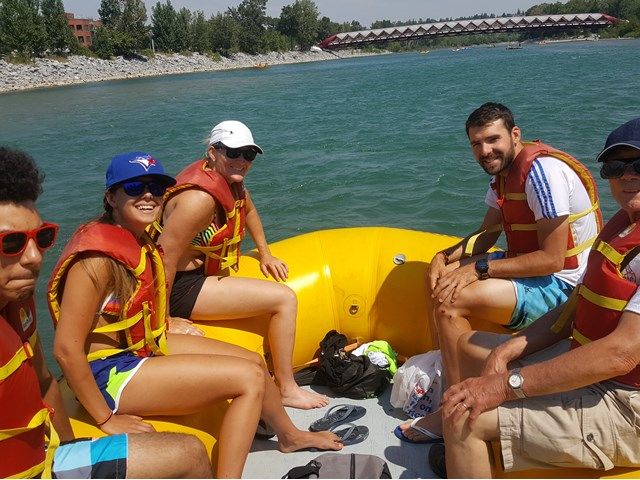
<point x="33" y="420"/>
<point x="201" y="229"/>
<point x="565" y="391"/>
<point x="546" y="202"/>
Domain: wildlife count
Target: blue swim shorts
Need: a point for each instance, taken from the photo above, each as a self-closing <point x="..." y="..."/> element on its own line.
<point x="535" y="296"/>
<point x="113" y="373"/>
<point x="104" y="457"/>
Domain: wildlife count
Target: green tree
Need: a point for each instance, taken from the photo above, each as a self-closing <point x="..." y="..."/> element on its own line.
<point x="110" y="13"/>
<point x="326" y="28"/>
<point x="225" y="34"/>
<point x="251" y="17"/>
<point x="300" y="22"/>
<point x="133" y="22"/>
<point x="60" y="38"/>
<point x="22" y="28"/>
<point x="183" y="21"/>
<point x="163" y="26"/>
<point x="103" y="43"/>
<point x="199" y="32"/>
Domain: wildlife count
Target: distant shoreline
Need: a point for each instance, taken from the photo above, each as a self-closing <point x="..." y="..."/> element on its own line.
<point x="45" y="72"/>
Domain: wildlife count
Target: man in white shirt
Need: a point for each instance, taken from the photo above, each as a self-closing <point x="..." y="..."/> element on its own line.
<point x="547" y="204"/>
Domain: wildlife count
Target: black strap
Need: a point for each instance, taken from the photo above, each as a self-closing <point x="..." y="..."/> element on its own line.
<point x="305" y="471"/>
<point x="352" y="470"/>
<point x="633" y="253"/>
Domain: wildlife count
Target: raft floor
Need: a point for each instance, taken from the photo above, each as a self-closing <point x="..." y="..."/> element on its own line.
<point x="405" y="460"/>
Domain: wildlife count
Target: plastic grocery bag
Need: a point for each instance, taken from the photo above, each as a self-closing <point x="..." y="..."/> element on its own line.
<point x="417" y="385"/>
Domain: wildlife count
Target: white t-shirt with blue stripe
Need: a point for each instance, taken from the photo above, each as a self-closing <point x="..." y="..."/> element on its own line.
<point x="553" y="189"/>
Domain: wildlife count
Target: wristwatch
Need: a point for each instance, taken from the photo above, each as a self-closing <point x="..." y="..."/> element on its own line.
<point x="482" y="269"/>
<point x="515" y="381"/>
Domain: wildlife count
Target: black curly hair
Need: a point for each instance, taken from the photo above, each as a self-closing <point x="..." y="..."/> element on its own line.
<point x="20" y="178"/>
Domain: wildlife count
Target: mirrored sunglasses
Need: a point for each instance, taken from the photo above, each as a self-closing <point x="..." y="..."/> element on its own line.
<point x="137" y="188"/>
<point x="616" y="168"/>
<point x="14" y="243"/>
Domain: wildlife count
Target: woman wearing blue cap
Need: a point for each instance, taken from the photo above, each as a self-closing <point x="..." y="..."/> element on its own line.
<point x="108" y="298"/>
<point x="201" y="228"/>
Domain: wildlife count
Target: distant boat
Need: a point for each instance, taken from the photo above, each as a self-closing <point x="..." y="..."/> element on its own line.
<point x="424" y="52"/>
<point x="261" y="65"/>
<point x="514" y="46"/>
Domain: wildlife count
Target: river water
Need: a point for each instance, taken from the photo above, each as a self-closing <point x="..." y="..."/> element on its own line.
<point x="363" y="141"/>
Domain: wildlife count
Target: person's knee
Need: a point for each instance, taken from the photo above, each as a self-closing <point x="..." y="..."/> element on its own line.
<point x="254" y="379"/>
<point x="286" y="297"/>
<point x="195" y="456"/>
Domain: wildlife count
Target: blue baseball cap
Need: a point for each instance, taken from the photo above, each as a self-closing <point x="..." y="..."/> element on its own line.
<point x="127" y="166"/>
<point x="627" y="135"/>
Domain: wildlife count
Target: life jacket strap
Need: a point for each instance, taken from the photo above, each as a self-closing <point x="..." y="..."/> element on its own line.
<point x="471" y="242"/>
<point x="21" y="356"/>
<point x="602" y="301"/>
<point x="567" y="312"/>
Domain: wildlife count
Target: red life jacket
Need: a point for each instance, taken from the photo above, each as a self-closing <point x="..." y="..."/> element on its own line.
<point x="604" y="292"/>
<point x="220" y="245"/>
<point x="143" y="317"/>
<point x="23" y="414"/>
<point x="518" y="220"/>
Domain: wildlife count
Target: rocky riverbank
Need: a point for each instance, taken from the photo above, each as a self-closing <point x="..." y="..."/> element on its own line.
<point x="46" y="72"/>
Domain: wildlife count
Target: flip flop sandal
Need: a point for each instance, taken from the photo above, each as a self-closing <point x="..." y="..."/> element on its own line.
<point x="264" y="431"/>
<point x="350" y="435"/>
<point x="338" y="415"/>
<point x="431" y="437"/>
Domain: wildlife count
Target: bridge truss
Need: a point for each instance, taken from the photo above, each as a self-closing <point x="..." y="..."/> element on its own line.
<point x="469" y="27"/>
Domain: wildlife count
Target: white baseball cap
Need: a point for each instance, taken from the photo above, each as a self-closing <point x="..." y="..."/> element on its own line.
<point x="233" y="134"/>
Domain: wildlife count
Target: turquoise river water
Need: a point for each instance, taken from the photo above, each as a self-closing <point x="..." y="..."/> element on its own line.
<point x="365" y="141"/>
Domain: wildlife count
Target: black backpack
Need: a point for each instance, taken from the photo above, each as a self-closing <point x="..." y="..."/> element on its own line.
<point x="341" y="465"/>
<point x="348" y="375"/>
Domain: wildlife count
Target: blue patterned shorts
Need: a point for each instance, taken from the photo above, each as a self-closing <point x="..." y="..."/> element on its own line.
<point x="104" y="457"/>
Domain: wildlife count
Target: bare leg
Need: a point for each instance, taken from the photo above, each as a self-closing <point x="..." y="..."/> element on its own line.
<point x="290" y="438"/>
<point x="469" y="453"/>
<point x="473" y="349"/>
<point x="159" y="388"/>
<point x="226" y="298"/>
<point x="183" y="456"/>
<point x="491" y="300"/>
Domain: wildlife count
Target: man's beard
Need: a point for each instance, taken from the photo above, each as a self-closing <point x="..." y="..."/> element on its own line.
<point x="505" y="162"/>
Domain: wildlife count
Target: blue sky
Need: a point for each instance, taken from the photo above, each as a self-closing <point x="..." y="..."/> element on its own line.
<point x="365" y="11"/>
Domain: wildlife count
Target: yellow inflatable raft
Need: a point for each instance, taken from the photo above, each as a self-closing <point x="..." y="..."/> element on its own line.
<point x="366" y="282"/>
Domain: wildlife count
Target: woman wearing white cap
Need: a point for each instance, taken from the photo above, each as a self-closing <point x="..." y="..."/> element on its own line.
<point x="202" y="225"/>
<point x="108" y="298"/>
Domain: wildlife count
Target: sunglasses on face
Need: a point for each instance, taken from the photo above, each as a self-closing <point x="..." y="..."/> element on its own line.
<point x="616" y="168"/>
<point x="137" y="188"/>
<point x="14" y="243"/>
<point x="233" y="153"/>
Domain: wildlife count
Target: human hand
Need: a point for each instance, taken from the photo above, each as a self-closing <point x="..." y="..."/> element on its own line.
<point x="274" y="266"/>
<point x="451" y="284"/>
<point x="474" y="396"/>
<point x="437" y="269"/>
<point x="497" y="361"/>
<point x="183" y="326"/>
<point x="126" y="424"/>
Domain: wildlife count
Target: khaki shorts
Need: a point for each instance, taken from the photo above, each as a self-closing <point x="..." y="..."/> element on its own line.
<point x="594" y="427"/>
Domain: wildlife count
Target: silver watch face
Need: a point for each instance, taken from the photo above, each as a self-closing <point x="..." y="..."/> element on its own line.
<point x="515" y="380"/>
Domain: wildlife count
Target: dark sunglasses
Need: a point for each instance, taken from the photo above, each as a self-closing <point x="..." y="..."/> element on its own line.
<point x="616" y="168"/>
<point x="137" y="188"/>
<point x="249" y="154"/>
<point x="14" y="243"/>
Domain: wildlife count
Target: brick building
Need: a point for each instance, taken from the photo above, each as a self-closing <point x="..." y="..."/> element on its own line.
<point x="83" y="28"/>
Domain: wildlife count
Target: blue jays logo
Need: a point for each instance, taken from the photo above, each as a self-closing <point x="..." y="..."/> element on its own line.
<point x="146" y="161"/>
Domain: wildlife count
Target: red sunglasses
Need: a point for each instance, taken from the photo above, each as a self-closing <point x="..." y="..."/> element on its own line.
<point x="14" y="243"/>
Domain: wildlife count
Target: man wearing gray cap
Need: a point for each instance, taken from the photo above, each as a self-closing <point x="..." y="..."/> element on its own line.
<point x="563" y="392"/>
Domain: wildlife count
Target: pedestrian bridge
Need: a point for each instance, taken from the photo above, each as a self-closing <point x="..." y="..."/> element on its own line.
<point x="546" y="23"/>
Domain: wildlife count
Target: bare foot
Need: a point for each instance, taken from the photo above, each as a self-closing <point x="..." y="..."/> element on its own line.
<point x="432" y="423"/>
<point x="297" y="397"/>
<point x="300" y="439"/>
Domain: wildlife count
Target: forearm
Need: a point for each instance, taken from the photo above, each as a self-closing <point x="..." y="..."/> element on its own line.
<point x="574" y="369"/>
<point x="254" y="226"/>
<point x="534" y="264"/>
<point x="81" y="381"/>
